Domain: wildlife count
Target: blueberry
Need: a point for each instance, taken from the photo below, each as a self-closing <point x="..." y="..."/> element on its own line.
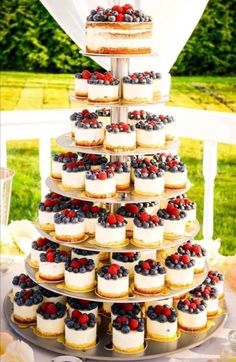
<point x="84" y="327"/>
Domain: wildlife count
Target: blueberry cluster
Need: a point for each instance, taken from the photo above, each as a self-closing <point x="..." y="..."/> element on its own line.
<point x="52" y="205"/>
<point x="78" y="116"/>
<point x="23" y="281"/>
<point x="137" y="115"/>
<point x="108" y="273"/>
<point x="127" y="257"/>
<point x="48" y="293"/>
<point x="112" y="221"/>
<point x="129" y="210"/>
<point x="162" y="314"/>
<point x="204" y="291"/>
<point x="148" y="173"/>
<point x="51" y="310"/>
<point x="94" y="160"/>
<point x="213" y="278"/>
<point x="130" y="310"/>
<point x="173" y="166"/>
<point x="58" y="257"/>
<point x="124" y="13"/>
<point x="152" y="222"/>
<point x="177" y="262"/>
<point x="83" y="322"/>
<point x="82" y="252"/>
<point x="138" y="78"/>
<point x="165" y="119"/>
<point x="65" y="157"/>
<point x="192" y="249"/>
<point x="149" y="125"/>
<point x="72" y="216"/>
<point x="93" y="212"/>
<point x="28" y="297"/>
<point x="118" y="167"/>
<point x="77" y="266"/>
<point x="49" y="244"/>
<point x="126" y="324"/>
<point x="103" y="112"/>
<point x="165" y="157"/>
<point x="82" y="304"/>
<point x="149" y="267"/>
<point x="155" y="75"/>
<point x="138" y="162"/>
<point x="87" y="123"/>
<point x="120" y="127"/>
<point x="94" y="174"/>
<point x="103" y="79"/>
<point x="164" y="214"/>
<point x="79" y="166"/>
<point x="192" y="306"/>
<point x="147" y="204"/>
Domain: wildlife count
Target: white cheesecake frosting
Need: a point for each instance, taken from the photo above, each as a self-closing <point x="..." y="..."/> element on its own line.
<point x="90" y="225"/>
<point x="149" y="186"/>
<point x="89" y="135"/>
<point x="219" y="287"/>
<point x="199" y="262"/>
<point x="122" y="179"/>
<point x="50" y="327"/>
<point x="191" y="320"/>
<point x="101" y="187"/>
<point x="80" y="280"/>
<point x="191" y="217"/>
<point x="81" y="87"/>
<point x="174" y="228"/>
<point x="166" y="329"/>
<point x="97" y="92"/>
<point x="81" y="338"/>
<point x="127" y="341"/>
<point x="24" y="312"/>
<point x="69" y="229"/>
<point x="149" y="236"/>
<point x="116" y="288"/>
<point x="35" y="255"/>
<point x="154" y="138"/>
<point x="109" y="235"/>
<point x="179" y="277"/>
<point x="148" y="282"/>
<point x="47" y="269"/>
<point x="56" y="168"/>
<point x="46" y="217"/>
<point x="75" y="180"/>
<point x="173" y="179"/>
<point x="137" y="92"/>
<point x="123" y="140"/>
<point x="212" y="305"/>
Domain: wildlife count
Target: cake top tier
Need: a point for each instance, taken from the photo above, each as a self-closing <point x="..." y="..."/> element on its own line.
<point x="125" y="13"/>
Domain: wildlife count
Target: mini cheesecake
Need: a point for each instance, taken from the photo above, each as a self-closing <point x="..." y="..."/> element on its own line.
<point x="176" y="175"/>
<point x="169" y="125"/>
<point x="137" y="88"/>
<point x="103" y="88"/>
<point x="126" y="259"/>
<point x="84" y="306"/>
<point x="38" y="246"/>
<point x="150" y="134"/>
<point x="47" y="210"/>
<point x="130" y="310"/>
<point x="190" y="208"/>
<point x="137" y="115"/>
<point x="120" y="137"/>
<point x="58" y="161"/>
<point x="149" y="181"/>
<point x="192" y="314"/>
<point x="79" y="116"/>
<point x="156" y="85"/>
<point x="122" y="174"/>
<point x="179" y="270"/>
<point x="94" y="161"/>
<point x="69" y="225"/>
<point x="81" y="83"/>
<point x="25" y="305"/>
<point x="215" y="280"/>
<point x="22" y="282"/>
<point x="100" y="184"/>
<point x="52" y="265"/>
<point x="148" y="230"/>
<point x="51" y="319"/>
<point x="90" y="254"/>
<point x="52" y="297"/>
<point x="110" y="230"/>
<point x="104" y="116"/>
<point x="80" y="274"/>
<point x="140" y="162"/>
<point x="149" y="277"/>
<point x="209" y="295"/>
<point x="161" y="322"/>
<point x="73" y="175"/>
<point x="80" y="330"/>
<point x="91" y="215"/>
<point x="174" y="222"/>
<point x="113" y="281"/>
<point x="129" y="211"/>
<point x="197" y="253"/>
<point x="89" y="132"/>
<point x="128" y="334"/>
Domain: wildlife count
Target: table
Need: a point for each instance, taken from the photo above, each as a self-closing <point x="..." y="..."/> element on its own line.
<point x="210" y="350"/>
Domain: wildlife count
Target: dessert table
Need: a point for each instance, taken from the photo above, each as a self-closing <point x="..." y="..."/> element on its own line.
<point x="208" y="351"/>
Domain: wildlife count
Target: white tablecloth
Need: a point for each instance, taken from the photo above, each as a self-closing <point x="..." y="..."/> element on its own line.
<point x="209" y="350"/>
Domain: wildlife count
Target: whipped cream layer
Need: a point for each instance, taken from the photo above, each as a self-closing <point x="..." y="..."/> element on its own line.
<point x="149" y="282"/>
<point x="46" y="217"/>
<point x="127" y="341"/>
<point x="81" y="87"/>
<point x="116" y="288"/>
<point x="81" y="338"/>
<point x="69" y="229"/>
<point x="56" y="168"/>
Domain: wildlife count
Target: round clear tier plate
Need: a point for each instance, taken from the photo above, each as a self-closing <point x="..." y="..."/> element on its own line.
<point x="133" y="298"/>
<point x="68" y="142"/>
<point x="121" y="196"/>
<point x="118" y="56"/>
<point x="89" y="244"/>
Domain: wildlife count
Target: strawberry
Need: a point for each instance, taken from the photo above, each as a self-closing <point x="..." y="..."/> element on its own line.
<point x="120" y="18"/>
<point x="85" y="112"/>
<point x="167" y="311"/>
<point x="215" y="279"/>
<point x="174" y="257"/>
<point x="95" y="209"/>
<point x="186" y="201"/>
<point x="44" y="306"/>
<point x="144" y="216"/>
<point x="50" y="257"/>
<point x="75" y="264"/>
<point x="72" y="214"/>
<point x="125" y="127"/>
<point x="86" y="74"/>
<point x="146" y="266"/>
<point x="111" y="219"/>
<point x="51" y="309"/>
<point x="49" y="250"/>
<point x="185" y="258"/>
<point x="118" y="8"/>
<point x="76" y="314"/>
<point x="154" y="218"/>
<point x="128" y="307"/>
<point x="41" y="242"/>
<point x="83" y="319"/>
<point x="102" y="175"/>
<point x="192" y="305"/>
<point x="119" y="218"/>
<point x="94" y="121"/>
<point x="121" y="319"/>
<point x="197" y="302"/>
<point x="158" y="309"/>
<point x="175" y="212"/>
<point x="133" y="324"/>
<point x="197" y="249"/>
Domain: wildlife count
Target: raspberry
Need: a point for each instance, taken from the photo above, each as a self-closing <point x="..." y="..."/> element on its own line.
<point x="187" y="246"/>
<point x="146" y="266"/>
<point x="170" y="208"/>
<point x="187" y="302"/>
<point x="49" y="250"/>
<point x="112" y="270"/>
<point x="197" y="249"/>
<point x="85" y="112"/>
<point x="111" y="219"/>
<point x="94" y="121"/>
<point x="153" y="169"/>
<point x="86" y="74"/>
<point x="120" y="18"/>
<point x="167" y="311"/>
<point x="127" y="7"/>
<point x="22" y="277"/>
<point x="155" y="218"/>
<point x="177" y="201"/>
<point x="51" y="309"/>
<point x="75" y="264"/>
<point x="129" y="254"/>
<point x="144" y="216"/>
<point x="185" y="258"/>
<point x="83" y="319"/>
<point x="102" y="175"/>
<point x="174" y="257"/>
<point x="76" y="314"/>
<point x="50" y="257"/>
<point x="125" y="127"/>
<point x="134" y="209"/>
<point x="215" y="279"/>
<point x="119" y="218"/>
<point x="86" y="208"/>
<point x="197" y="302"/>
<point x="108" y="77"/>
<point x="193" y="306"/>
<point x="121" y="319"/>
<point x="95" y="209"/>
<point x="83" y="261"/>
<point x="161" y="117"/>
<point x="186" y="201"/>
<point x="44" y="306"/>
<point x="175" y="212"/>
<point x="63" y="252"/>
<point x="100" y="76"/>
<point x="118" y="8"/>
<point x="133" y="324"/>
<point x="41" y="242"/>
<point x="144" y="170"/>
<point x="158" y="309"/>
<point x="71" y="214"/>
<point x="48" y="203"/>
<point x="128" y="307"/>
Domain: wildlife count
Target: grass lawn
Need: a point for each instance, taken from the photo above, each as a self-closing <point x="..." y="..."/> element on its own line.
<point x="41" y="91"/>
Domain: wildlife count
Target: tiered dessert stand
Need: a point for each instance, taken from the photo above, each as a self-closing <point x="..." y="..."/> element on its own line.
<point x="103" y="350"/>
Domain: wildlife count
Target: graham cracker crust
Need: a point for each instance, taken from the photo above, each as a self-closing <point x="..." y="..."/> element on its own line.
<point x="110" y="295"/>
<point x="69" y="237"/>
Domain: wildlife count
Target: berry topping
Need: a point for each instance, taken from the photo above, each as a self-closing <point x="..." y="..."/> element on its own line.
<point x="179" y="261"/>
<point x="112" y="221"/>
<point x="181" y="203"/>
<point x="65" y="157"/>
<point x="54" y="256"/>
<point x="84" y="75"/>
<point x="80" y="321"/>
<point x="128" y="257"/>
<point x="146" y="221"/>
<point x="113" y="271"/>
<point x="149" y="267"/>
<point x="148" y="172"/>
<point x="68" y="216"/>
<point x="82" y="252"/>
<point x="192" y="305"/>
<point x="192" y="249"/>
<point x="120" y="127"/>
<point x="52" y="310"/>
<point x="126" y="309"/>
<point x="129" y="210"/>
<point x="78" y="166"/>
<point x="204" y="291"/>
<point x="133" y="324"/>
<point x="213" y="278"/>
<point x="126" y="324"/>
<point x="171" y="213"/>
<point x="162" y="314"/>
<point x="103" y="79"/>
<point x="100" y="174"/>
<point x="118" y="167"/>
<point x="117" y="13"/>
<point x="42" y="244"/>
<point x="82" y="265"/>
<point x="84" y="305"/>
<point x="28" y="297"/>
<point x="23" y="281"/>
<point x="137" y="115"/>
<point x="103" y="112"/>
<point x="138" y="78"/>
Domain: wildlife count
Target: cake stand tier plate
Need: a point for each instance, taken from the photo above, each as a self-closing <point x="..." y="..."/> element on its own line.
<point x="89" y="244"/>
<point x="154" y="349"/>
<point x="118" y="56"/>
<point x="132" y="298"/>
<point x="126" y="196"/>
<point x="68" y="142"/>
